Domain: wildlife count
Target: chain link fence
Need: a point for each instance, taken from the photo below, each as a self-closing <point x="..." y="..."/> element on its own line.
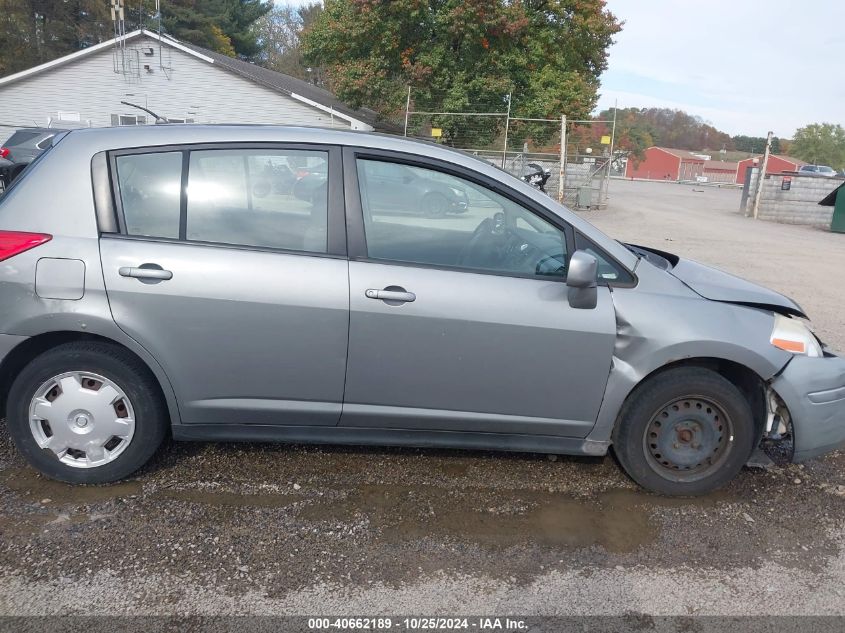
<point x="520" y="145"/>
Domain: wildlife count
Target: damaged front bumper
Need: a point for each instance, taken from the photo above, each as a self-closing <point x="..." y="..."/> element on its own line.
<point x="813" y="390"/>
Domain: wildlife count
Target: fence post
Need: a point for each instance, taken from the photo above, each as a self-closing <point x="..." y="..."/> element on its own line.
<point x="610" y="159"/>
<point x="562" y="176"/>
<point x="761" y="176"/>
<point x="507" y="126"/>
<point x="407" y="109"/>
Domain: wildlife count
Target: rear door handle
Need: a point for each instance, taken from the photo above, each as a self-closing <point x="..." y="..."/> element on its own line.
<point x="143" y="272"/>
<point x="391" y="294"/>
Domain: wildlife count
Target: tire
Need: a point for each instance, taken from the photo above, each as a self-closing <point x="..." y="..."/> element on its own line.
<point x="137" y="408"/>
<point x="685" y="432"/>
<point x="434" y="205"/>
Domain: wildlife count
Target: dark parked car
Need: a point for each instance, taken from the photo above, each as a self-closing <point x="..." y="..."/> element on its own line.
<point x="5" y="173"/>
<point x="391" y="185"/>
<point x="21" y="148"/>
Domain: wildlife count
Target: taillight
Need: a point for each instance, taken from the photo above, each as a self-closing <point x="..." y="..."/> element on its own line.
<point x="14" y="243"/>
<point x="4" y="152"/>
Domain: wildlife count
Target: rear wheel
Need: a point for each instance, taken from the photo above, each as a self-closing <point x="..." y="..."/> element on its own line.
<point x="86" y="413"/>
<point x="686" y="432"/>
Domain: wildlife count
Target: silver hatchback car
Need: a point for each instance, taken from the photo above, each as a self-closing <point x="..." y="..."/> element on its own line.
<point x="157" y="280"/>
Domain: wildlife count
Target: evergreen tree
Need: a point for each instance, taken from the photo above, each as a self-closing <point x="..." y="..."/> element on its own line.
<point x="36" y="31"/>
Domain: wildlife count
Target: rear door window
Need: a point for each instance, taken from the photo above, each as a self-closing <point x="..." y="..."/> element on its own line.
<point x="150" y="186"/>
<point x="259" y="197"/>
<point x="266" y="198"/>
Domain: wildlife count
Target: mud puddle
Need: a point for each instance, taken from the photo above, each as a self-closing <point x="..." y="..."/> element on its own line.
<point x="35" y="488"/>
<point x="220" y="498"/>
<point x="619" y="521"/>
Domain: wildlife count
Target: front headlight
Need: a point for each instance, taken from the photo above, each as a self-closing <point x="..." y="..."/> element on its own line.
<point x="792" y="335"/>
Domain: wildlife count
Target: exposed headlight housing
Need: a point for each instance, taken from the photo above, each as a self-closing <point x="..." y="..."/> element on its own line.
<point x="792" y="335"/>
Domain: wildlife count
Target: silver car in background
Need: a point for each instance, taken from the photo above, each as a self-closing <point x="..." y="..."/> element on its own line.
<point x="822" y="171"/>
<point x="151" y="282"/>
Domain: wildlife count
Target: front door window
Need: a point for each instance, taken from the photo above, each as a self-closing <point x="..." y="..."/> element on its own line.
<point x="422" y="216"/>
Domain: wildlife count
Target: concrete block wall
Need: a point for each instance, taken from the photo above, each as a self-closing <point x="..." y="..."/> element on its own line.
<point x="797" y="205"/>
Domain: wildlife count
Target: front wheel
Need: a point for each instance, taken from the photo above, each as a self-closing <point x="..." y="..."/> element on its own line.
<point x="686" y="432"/>
<point x="86" y="413"/>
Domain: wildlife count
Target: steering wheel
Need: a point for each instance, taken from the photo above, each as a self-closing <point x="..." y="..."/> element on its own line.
<point x="484" y="231"/>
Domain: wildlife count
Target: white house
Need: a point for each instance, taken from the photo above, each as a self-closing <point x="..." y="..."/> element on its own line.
<point x="178" y="81"/>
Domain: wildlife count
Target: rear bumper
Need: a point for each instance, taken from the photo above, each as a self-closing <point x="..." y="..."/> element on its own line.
<point x="813" y="390"/>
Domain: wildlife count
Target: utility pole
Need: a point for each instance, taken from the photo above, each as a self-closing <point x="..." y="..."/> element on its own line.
<point x="760" y="176"/>
<point x="561" y="185"/>
<point x="507" y="127"/>
<point x="407" y="109"/>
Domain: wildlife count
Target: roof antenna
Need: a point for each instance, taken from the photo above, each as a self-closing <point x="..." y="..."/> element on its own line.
<point x="160" y="120"/>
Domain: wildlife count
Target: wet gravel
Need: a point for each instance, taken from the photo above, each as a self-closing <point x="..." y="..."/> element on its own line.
<point x="248" y="528"/>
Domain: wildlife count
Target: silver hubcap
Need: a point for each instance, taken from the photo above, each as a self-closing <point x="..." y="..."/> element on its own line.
<point x="85" y="419"/>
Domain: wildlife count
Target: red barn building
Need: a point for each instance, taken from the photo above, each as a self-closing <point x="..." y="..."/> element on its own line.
<point x="720" y="171"/>
<point x="776" y="165"/>
<point x="663" y="163"/>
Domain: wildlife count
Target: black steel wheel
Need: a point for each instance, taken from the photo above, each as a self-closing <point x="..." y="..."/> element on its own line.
<point x="685" y="432"/>
<point x="688" y="438"/>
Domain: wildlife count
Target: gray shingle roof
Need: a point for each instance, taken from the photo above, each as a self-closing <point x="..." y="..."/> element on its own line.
<point x="287" y="84"/>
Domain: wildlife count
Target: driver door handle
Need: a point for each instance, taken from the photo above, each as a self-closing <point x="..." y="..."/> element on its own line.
<point x="399" y="296"/>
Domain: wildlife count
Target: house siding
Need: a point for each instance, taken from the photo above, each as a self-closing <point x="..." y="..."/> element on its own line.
<point x="192" y="88"/>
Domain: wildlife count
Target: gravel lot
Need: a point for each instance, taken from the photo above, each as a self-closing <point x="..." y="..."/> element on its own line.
<point x="256" y="529"/>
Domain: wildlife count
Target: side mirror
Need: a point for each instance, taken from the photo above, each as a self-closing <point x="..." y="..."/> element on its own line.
<point x="581" y="280"/>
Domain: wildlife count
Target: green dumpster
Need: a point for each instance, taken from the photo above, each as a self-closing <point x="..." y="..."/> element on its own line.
<point x="836" y="199"/>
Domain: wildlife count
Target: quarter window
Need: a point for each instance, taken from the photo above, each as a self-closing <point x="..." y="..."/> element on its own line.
<point x="608" y="270"/>
<point x="418" y="215"/>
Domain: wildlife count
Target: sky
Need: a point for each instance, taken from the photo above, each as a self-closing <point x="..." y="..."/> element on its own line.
<point x="745" y="66"/>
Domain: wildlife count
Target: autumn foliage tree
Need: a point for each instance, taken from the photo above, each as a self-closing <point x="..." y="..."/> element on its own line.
<point x="280" y="35"/>
<point x="465" y="56"/>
